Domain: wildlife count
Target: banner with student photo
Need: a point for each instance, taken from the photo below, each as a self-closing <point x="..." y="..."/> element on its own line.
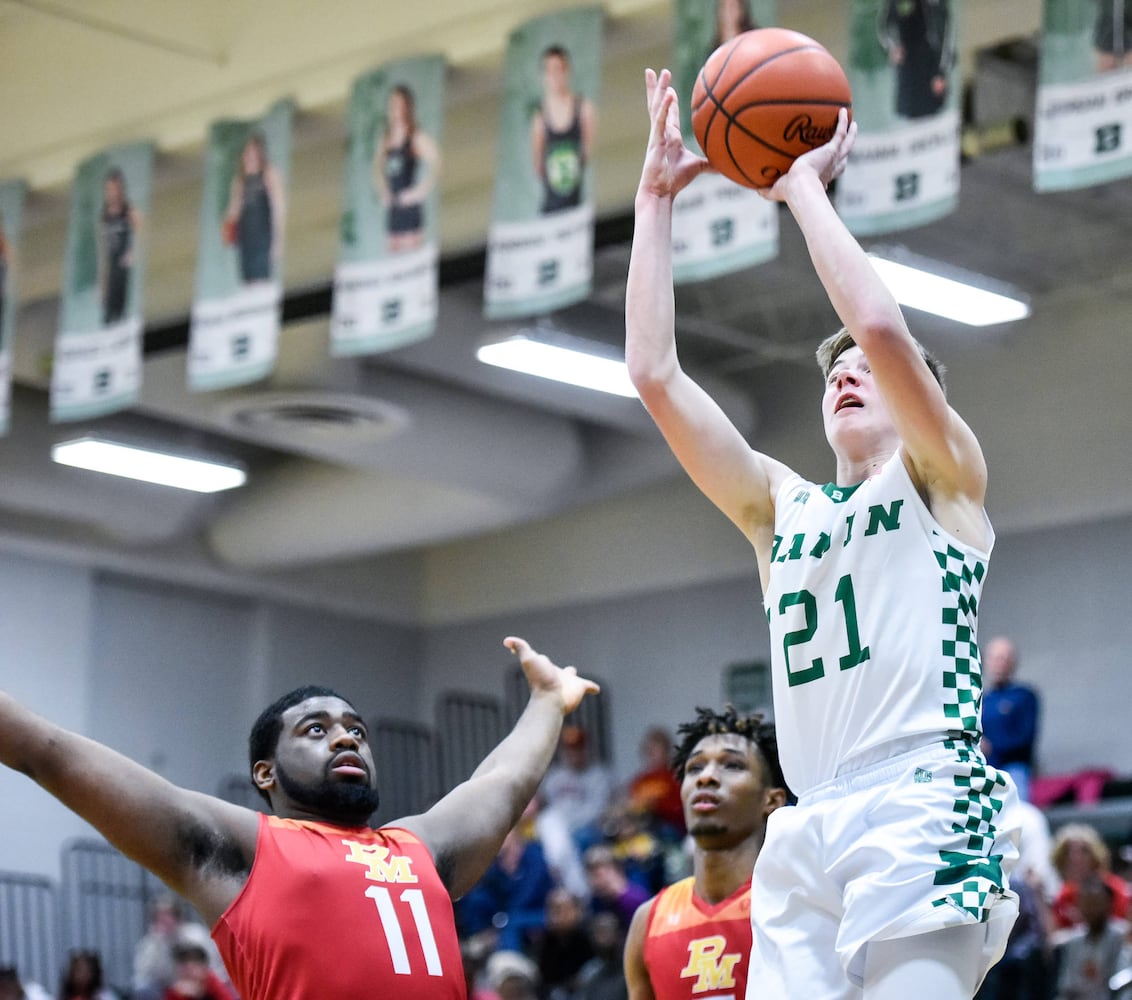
<point x="1083" y="110"/>
<point x="12" y="194"/>
<point x="386" y="280"/>
<point x="718" y="226"/>
<point x="540" y="241"/>
<point x="98" y="348"/>
<point x="237" y="302"/>
<point x="903" y="68"/>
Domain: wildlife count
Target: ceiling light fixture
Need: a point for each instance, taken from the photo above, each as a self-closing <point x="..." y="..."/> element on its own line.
<point x="965" y="298"/>
<point x="572" y="360"/>
<point x="149" y="466"/>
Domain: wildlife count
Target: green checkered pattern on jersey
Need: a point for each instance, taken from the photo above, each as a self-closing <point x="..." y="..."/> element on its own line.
<point x="962" y="673"/>
<point x="975" y="873"/>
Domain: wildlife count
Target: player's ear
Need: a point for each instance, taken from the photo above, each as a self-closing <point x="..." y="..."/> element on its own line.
<point x="773" y="798"/>
<point x="263" y="775"/>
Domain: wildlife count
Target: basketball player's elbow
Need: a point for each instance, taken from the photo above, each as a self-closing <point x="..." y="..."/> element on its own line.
<point x="652" y="375"/>
<point x="876" y="324"/>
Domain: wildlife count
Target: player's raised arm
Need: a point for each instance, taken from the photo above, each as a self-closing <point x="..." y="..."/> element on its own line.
<point x="189" y="840"/>
<point x="735" y="478"/>
<point x="945" y="457"/>
<point x="465" y="829"/>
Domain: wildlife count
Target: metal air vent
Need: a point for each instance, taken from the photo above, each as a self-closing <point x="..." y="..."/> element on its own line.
<point x="318" y="416"/>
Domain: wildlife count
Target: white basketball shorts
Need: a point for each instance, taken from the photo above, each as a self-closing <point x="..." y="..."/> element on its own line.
<point x="900" y="847"/>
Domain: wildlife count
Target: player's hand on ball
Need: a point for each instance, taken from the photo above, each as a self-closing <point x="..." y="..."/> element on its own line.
<point x="669" y="165"/>
<point x="827" y="162"/>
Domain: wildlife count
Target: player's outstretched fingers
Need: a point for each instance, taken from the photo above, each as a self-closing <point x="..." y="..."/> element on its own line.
<point x="542" y="674"/>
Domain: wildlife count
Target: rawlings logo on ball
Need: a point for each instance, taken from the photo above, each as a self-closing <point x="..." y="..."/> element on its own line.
<point x="803" y="129"/>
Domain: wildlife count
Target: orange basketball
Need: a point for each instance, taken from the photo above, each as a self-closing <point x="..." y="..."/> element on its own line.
<point x="763" y="99"/>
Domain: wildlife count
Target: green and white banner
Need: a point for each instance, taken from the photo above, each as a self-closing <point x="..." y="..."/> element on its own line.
<point x="1083" y="113"/>
<point x="11" y="225"/>
<point x="903" y="68"/>
<point x="98" y="349"/>
<point x="718" y="226"/>
<point x="386" y="280"/>
<point x="234" y="331"/>
<point x="540" y="241"/>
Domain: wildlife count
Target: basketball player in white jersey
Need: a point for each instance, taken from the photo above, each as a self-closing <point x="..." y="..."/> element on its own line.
<point x="888" y="880"/>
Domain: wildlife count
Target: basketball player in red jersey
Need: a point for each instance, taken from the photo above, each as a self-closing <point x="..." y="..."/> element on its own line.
<point x="311" y="902"/>
<point x="693" y="938"/>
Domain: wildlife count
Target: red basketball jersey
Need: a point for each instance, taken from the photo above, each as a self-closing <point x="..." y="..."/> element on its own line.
<point x="341" y="912"/>
<point x="694" y="949"/>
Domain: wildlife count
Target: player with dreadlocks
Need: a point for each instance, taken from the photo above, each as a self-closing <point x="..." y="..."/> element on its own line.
<point x="695" y="935"/>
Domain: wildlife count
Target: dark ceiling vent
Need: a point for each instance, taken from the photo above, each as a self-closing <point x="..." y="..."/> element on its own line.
<point x="318" y="415"/>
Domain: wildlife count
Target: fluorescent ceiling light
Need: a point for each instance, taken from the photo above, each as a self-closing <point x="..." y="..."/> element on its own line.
<point x="947" y="297"/>
<point x="572" y="365"/>
<point x="149" y="466"/>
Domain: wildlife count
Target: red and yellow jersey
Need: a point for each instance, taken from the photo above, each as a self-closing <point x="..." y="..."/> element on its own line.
<point x="334" y="911"/>
<point x="694" y="949"/>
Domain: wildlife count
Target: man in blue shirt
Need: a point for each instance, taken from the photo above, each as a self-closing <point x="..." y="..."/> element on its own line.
<point x="1010" y="715"/>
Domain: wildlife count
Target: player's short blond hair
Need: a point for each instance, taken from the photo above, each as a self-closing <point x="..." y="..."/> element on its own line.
<point x="836" y="344"/>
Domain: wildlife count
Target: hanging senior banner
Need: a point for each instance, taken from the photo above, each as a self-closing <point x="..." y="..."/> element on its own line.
<point x="11" y="223"/>
<point x="98" y="348"/>
<point x="904" y="73"/>
<point x="234" y="333"/>
<point x="385" y="284"/>
<point x="540" y="242"/>
<point x="1083" y="113"/>
<point x="718" y="226"/>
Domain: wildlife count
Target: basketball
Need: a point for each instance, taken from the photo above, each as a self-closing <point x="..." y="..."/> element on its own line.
<point x="763" y="99"/>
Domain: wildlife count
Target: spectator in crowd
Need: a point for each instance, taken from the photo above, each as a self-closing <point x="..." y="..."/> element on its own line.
<point x="193" y="978"/>
<point x="1089" y="957"/>
<point x="564" y="946"/>
<point x="511" y="896"/>
<point x="83" y="979"/>
<point x="12" y="988"/>
<point x="154" y="964"/>
<point x="551" y="828"/>
<point x="1080" y="853"/>
<point x="654" y="790"/>
<point x="640" y="851"/>
<point x="577" y="788"/>
<point x="611" y="890"/>
<point x="602" y="977"/>
<point x="513" y="976"/>
<point x="474" y="950"/>
<point x="1010" y="715"/>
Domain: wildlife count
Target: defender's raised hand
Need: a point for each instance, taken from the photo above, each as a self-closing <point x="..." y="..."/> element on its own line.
<point x="544" y="675"/>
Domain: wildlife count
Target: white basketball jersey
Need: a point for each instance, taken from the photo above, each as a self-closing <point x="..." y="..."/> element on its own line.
<point x="872" y="609"/>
